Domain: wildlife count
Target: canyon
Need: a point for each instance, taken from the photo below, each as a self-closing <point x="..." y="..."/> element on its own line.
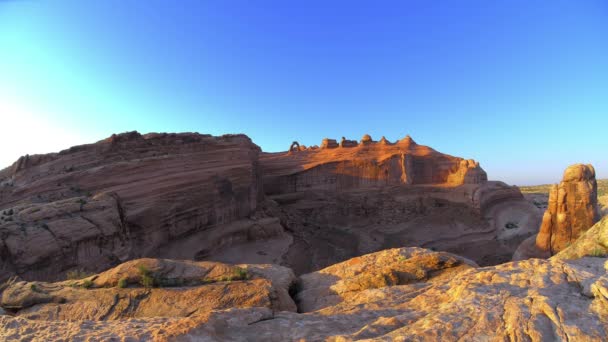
<point x="198" y="197"/>
<point x="192" y="237"/>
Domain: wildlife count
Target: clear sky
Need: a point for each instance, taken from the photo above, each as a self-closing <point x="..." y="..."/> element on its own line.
<point x="521" y="86"/>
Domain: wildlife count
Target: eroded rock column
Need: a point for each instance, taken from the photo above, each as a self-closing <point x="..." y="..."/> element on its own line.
<point x="572" y="209"/>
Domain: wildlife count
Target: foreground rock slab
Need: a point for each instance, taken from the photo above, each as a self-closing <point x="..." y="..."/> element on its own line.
<point x="394" y="295"/>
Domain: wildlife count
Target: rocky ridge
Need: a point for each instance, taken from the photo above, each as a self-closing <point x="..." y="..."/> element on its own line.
<point x="198" y="197"/>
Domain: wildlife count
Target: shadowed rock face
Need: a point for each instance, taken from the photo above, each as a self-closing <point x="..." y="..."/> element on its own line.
<point x="93" y="206"/>
<point x="571" y="210"/>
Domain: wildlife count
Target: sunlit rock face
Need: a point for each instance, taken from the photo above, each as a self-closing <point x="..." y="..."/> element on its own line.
<point x="572" y="209"/>
<point x="349" y="165"/>
<point x="404" y="294"/>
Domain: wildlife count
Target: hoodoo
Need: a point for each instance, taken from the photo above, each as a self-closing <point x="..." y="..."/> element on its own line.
<point x="571" y="211"/>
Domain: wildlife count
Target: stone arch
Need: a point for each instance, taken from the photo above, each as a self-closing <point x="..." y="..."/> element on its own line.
<point x="296" y="145"/>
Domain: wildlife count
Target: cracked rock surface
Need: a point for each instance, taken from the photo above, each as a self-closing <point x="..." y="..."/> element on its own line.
<point x="394" y="295"/>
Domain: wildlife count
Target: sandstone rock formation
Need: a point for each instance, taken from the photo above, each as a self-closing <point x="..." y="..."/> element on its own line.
<point x="571" y="210"/>
<point x="385" y="195"/>
<point x="173" y="289"/>
<point x="329" y="143"/>
<point x="593" y="242"/>
<point x="198" y="197"/>
<point x="394" y="295"/>
<point x="371" y="164"/>
<point x="347" y="143"/>
<point x="94" y="206"/>
<point x="366" y="140"/>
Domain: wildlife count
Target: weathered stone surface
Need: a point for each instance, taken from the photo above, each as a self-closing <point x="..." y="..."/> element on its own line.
<point x="348" y="143"/>
<point x="420" y="295"/>
<point x="572" y="209"/>
<point x="593" y="242"/>
<point x="191" y="196"/>
<point x="93" y="206"/>
<point x="387" y="195"/>
<point x="366" y="140"/>
<point x="392" y="267"/>
<point x="371" y="164"/>
<point x="177" y="289"/>
<point x="329" y="143"/>
<point x="468" y="172"/>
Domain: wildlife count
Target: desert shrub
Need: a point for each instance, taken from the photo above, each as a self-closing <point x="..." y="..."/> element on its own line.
<point x="597" y="252"/>
<point x="33" y="287"/>
<point x="238" y="274"/>
<point x="122" y="282"/>
<point x="146" y="277"/>
<point x="87" y="283"/>
<point x="82" y="202"/>
<point x="77" y="274"/>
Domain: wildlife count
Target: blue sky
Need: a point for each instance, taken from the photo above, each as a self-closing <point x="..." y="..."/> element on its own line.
<point x="521" y="86"/>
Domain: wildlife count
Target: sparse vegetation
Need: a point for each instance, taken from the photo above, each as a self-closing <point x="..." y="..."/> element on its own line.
<point x="146" y="277"/>
<point x="598" y="252"/>
<point x="122" y="282"/>
<point x="602" y="188"/>
<point x="240" y="274"/>
<point x="34" y="288"/>
<point x="77" y="274"/>
<point x="87" y="283"/>
<point x="82" y="202"/>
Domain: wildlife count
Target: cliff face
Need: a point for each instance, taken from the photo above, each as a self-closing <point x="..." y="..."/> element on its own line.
<point x="192" y="196"/>
<point x="368" y="164"/>
<point x="95" y="205"/>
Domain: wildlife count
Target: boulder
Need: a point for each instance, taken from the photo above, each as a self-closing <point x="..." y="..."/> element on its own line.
<point x="347" y="143"/>
<point x="329" y="143"/>
<point x="366" y="140"/>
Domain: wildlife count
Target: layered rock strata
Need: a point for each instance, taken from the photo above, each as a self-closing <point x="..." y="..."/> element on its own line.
<point x="368" y="164"/>
<point x="94" y="206"/>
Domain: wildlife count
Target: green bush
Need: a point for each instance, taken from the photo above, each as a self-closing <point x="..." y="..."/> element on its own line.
<point x="240" y="274"/>
<point x="146" y="277"/>
<point x="598" y="252"/>
<point x="122" y="282"/>
<point x="87" y="283"/>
